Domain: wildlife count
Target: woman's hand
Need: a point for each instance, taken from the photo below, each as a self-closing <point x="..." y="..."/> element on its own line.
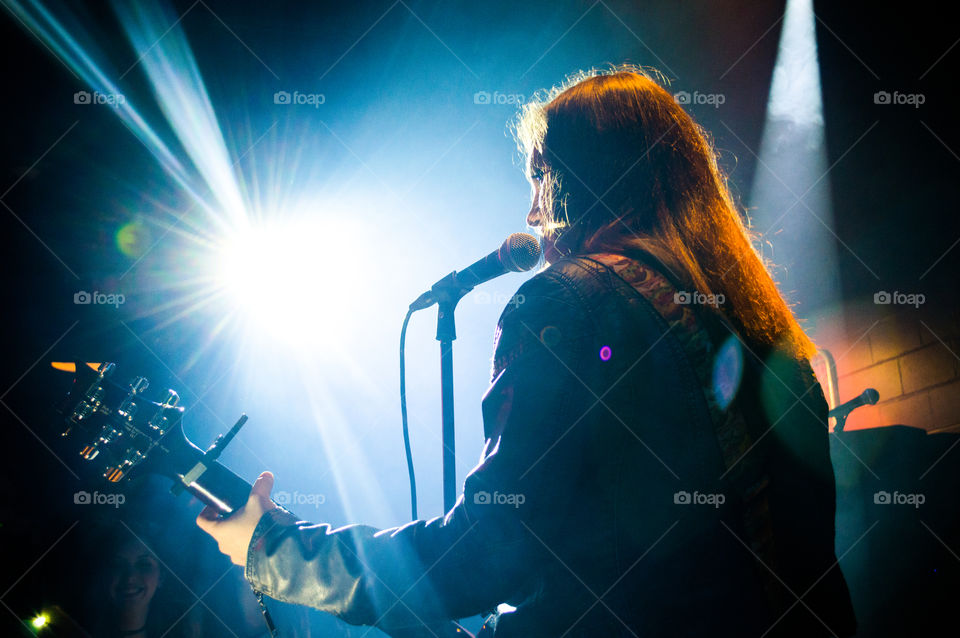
<point x="233" y="534"/>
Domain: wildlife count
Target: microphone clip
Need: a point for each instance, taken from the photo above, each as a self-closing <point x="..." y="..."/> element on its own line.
<point x="447" y="293"/>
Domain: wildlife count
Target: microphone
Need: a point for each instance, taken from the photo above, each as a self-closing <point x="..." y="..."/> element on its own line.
<point x="518" y="253"/>
<point x="867" y="397"/>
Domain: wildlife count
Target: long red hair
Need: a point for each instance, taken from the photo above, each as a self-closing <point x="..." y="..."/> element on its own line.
<point x="624" y="168"/>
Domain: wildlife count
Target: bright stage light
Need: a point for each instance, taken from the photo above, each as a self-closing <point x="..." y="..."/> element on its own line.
<point x="299" y="281"/>
<point x="40" y="621"/>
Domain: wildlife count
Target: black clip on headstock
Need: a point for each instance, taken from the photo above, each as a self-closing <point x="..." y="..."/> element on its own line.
<point x="209" y="457"/>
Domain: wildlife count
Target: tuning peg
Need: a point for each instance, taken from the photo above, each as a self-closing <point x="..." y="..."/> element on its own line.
<point x="172" y="399"/>
<point x="106" y="369"/>
<point x="139" y="385"/>
<point x="106" y="438"/>
<point x="129" y="405"/>
<point x="159" y="420"/>
<point x="115" y="473"/>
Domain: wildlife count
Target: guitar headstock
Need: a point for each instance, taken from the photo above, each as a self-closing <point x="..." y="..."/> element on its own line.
<point x="117" y="427"/>
<point x="121" y="433"/>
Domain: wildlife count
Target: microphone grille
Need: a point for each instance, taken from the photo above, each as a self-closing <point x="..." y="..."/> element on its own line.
<point x="871" y="396"/>
<point x="520" y="252"/>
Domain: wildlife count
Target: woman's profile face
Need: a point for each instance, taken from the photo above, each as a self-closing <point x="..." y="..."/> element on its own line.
<point x="535" y="219"/>
<point x="134" y="575"/>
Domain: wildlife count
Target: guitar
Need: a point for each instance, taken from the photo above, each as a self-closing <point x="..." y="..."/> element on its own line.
<point x="122" y="434"/>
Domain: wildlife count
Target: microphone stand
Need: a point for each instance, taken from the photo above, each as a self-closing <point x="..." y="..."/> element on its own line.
<point x="448" y="293"/>
<point x="518" y="253"/>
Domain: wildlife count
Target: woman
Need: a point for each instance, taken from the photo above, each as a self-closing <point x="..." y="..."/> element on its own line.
<point x="135" y="575"/>
<point x="132" y="597"/>
<point x="656" y="458"/>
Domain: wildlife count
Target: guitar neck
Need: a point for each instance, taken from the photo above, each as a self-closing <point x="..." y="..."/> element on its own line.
<point x="220" y="488"/>
<point x="216" y="485"/>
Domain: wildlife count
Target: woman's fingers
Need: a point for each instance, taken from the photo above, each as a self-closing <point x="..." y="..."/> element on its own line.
<point x="233" y="533"/>
<point x="262" y="487"/>
<point x="207" y="519"/>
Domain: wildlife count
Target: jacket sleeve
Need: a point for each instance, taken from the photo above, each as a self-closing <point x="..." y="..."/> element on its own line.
<point x="483" y="552"/>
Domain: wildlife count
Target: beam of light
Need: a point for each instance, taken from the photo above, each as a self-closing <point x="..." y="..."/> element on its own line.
<point x="793" y="164"/>
<point x="206" y="174"/>
<point x="795" y="93"/>
<point x="178" y="87"/>
<point x="292" y="299"/>
<point x="76" y="49"/>
<point x="276" y="296"/>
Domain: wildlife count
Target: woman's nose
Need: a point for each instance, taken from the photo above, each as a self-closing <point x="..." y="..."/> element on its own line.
<point x="533" y="217"/>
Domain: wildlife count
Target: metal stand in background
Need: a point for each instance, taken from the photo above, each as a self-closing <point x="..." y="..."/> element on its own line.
<point x="841" y="412"/>
<point x="448" y="293"/>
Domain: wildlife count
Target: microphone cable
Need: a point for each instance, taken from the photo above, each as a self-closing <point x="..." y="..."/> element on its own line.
<point x="518" y="253"/>
<point x="403" y="418"/>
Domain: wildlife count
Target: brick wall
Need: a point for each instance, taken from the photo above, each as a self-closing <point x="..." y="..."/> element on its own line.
<point x="910" y="355"/>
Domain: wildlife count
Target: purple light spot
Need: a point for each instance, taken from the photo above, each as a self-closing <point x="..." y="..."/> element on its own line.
<point x="727" y="371"/>
<point x="605" y="353"/>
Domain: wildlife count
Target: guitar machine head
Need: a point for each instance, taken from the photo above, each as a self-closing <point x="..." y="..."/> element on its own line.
<point x="119" y="426"/>
<point x="121" y="433"/>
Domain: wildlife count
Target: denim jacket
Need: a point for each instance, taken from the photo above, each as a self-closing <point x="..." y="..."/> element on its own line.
<point x="646" y="472"/>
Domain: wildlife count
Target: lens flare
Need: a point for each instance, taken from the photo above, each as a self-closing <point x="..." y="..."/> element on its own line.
<point x="133" y="239"/>
<point x="727" y="371"/>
